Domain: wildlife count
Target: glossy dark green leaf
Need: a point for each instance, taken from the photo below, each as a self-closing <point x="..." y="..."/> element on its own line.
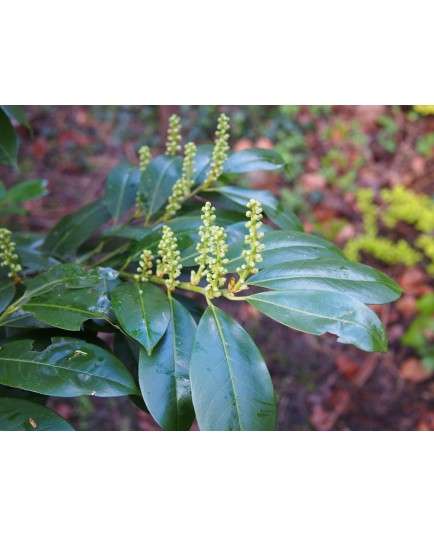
<point x="121" y="189"/>
<point x="157" y="180"/>
<point x="202" y="163"/>
<point x="230" y="383"/>
<point x="76" y="228"/>
<point x="7" y="293"/>
<point x="28" y="249"/>
<point x="70" y="276"/>
<point x="23" y="416"/>
<point x="253" y="160"/>
<point x="352" y="279"/>
<point x="143" y="312"/>
<point x="25" y="191"/>
<point x="67" y="368"/>
<point x="8" y="141"/>
<point x="321" y="311"/>
<point x="128" y="232"/>
<point x="283" y="246"/>
<point x="164" y="375"/>
<point x="17" y="113"/>
<point x="68" y="308"/>
<point x="186" y="230"/>
<point x="275" y="211"/>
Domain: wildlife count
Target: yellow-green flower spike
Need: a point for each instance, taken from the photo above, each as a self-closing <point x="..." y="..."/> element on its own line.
<point x="144" y="157"/>
<point x="205" y="244"/>
<point x="145" y="266"/>
<point x="221" y="150"/>
<point x="173" y="143"/>
<point x="170" y="263"/>
<point x="182" y="188"/>
<point x="217" y="262"/>
<point x="8" y="255"/>
<point x="252" y="256"/>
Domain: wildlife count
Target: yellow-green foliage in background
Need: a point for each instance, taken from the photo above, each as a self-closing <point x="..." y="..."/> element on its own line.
<point x="424" y="109"/>
<point x="398" y="204"/>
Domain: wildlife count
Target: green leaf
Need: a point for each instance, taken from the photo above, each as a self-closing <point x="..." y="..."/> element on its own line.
<point x="321" y="311"/>
<point x="70" y="276"/>
<point x="253" y="160"/>
<point x="202" y="163"/>
<point x="7" y="293"/>
<point x="25" y="191"/>
<point x="8" y="141"/>
<point x="357" y="280"/>
<point x="275" y="211"/>
<point x="31" y="257"/>
<point x="17" y="415"/>
<point x="74" y="229"/>
<point x="67" y="368"/>
<point x="164" y="375"/>
<point x="121" y="189"/>
<point x="143" y="312"/>
<point x="186" y="230"/>
<point x="69" y="308"/>
<point x="230" y="383"/>
<point x="283" y="246"/>
<point x="17" y="113"/>
<point x="157" y="180"/>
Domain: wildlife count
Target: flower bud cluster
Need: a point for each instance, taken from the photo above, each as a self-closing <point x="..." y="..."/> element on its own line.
<point x="221" y="150"/>
<point x="182" y="188"/>
<point x="217" y="262"/>
<point x="144" y="157"/>
<point x="252" y="256"/>
<point x="205" y="243"/>
<point x="170" y="262"/>
<point x="173" y="143"/>
<point x="8" y="255"/>
<point x="145" y="266"/>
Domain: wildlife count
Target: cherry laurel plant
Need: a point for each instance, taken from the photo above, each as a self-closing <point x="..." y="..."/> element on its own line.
<point x="104" y="305"/>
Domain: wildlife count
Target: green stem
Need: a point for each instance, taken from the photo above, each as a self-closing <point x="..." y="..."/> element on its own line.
<point x="183" y="286"/>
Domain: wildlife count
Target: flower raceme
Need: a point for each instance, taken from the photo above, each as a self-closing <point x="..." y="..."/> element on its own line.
<point x="169" y="264"/>
<point x="174" y="138"/>
<point x="221" y="151"/>
<point x="212" y="258"/>
<point x="8" y="255"/>
<point x="182" y="188"/>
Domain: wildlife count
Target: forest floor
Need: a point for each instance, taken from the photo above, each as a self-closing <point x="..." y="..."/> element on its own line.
<point x="320" y="384"/>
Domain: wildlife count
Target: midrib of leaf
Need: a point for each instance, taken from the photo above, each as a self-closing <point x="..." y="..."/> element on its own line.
<point x="59" y="367"/>
<point x="145" y="317"/>
<point x="228" y="361"/>
<point x="160" y="178"/>
<point x="175" y="368"/>
<point x="74" y="226"/>
<point x="49" y="284"/>
<point x="118" y="207"/>
<point x="73" y="309"/>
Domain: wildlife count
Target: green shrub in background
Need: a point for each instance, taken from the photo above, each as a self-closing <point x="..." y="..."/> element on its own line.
<point x="420" y="334"/>
<point x="125" y="297"/>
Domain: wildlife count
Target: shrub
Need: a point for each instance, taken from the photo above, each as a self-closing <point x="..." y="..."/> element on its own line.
<point x="106" y="304"/>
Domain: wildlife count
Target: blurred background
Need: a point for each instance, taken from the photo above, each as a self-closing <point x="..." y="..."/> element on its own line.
<point x="360" y="176"/>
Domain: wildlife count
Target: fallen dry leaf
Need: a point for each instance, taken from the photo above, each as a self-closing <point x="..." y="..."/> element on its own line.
<point x="413" y="371"/>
